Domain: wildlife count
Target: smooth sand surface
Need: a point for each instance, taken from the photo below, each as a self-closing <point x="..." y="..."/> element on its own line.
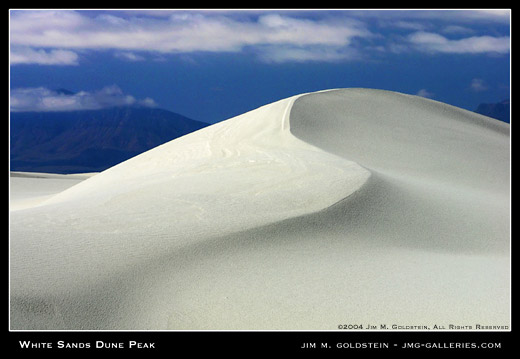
<point x="29" y="189"/>
<point x="346" y="206"/>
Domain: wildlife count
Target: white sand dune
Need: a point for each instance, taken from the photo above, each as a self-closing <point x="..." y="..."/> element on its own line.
<point x="30" y="189"/>
<point x="338" y="207"/>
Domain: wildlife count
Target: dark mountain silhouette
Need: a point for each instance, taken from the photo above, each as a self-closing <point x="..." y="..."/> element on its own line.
<point x="499" y="111"/>
<point x="90" y="140"/>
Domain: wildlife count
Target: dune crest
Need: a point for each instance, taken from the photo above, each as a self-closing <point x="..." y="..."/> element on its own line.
<point x="342" y="206"/>
<point x="252" y="159"/>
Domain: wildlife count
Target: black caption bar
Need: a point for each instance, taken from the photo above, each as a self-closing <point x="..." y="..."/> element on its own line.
<point x="257" y="342"/>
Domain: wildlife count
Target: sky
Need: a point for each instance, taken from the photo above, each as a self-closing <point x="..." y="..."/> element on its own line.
<point x="211" y="65"/>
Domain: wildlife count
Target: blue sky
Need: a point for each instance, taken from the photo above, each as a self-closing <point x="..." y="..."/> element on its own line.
<point x="215" y="64"/>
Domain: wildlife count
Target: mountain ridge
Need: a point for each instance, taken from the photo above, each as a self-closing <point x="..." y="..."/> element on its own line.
<point x="90" y="140"/>
<point x="499" y="111"/>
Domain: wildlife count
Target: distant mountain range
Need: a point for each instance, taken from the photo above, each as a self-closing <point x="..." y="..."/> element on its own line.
<point x="90" y="140"/>
<point x="94" y="140"/>
<point x="500" y="111"/>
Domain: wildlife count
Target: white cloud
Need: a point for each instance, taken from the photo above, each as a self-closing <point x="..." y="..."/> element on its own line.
<point x="425" y="93"/>
<point x="490" y="16"/>
<point x="26" y="55"/>
<point x="182" y="32"/>
<point x="129" y="56"/>
<point x="57" y="36"/>
<point x="432" y="42"/>
<point x="496" y="15"/>
<point x="278" y="54"/>
<point x="478" y="85"/>
<point x="43" y="99"/>
<point x="403" y="24"/>
<point x="148" y="102"/>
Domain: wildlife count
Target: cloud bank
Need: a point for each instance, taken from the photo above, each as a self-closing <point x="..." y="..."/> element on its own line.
<point x="55" y="37"/>
<point x="478" y="85"/>
<point x="27" y="55"/>
<point x="425" y="93"/>
<point x="45" y="100"/>
<point x="179" y="33"/>
<point x="431" y="42"/>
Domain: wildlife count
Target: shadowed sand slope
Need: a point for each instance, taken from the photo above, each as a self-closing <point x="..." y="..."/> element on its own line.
<point x="345" y="206"/>
<point x="449" y="167"/>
